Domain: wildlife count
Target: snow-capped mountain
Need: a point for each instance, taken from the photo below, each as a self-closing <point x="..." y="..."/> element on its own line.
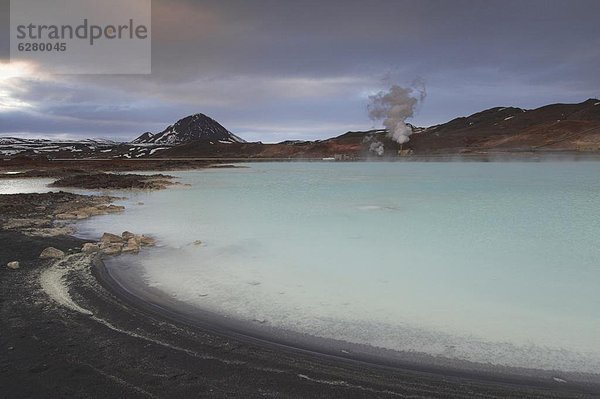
<point x="554" y="128"/>
<point x="198" y="127"/>
<point x="144" y="138"/>
<point x="10" y="146"/>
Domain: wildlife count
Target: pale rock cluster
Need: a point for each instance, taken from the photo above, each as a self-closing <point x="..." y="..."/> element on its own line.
<point x="112" y="244"/>
<point x="85" y="213"/>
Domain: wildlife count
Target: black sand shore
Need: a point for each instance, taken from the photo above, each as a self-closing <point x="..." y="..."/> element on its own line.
<point x="124" y="276"/>
<point x="68" y="330"/>
<point x="126" y="350"/>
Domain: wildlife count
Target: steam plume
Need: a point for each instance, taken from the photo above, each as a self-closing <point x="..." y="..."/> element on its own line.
<point x="377" y="148"/>
<point x="394" y="107"/>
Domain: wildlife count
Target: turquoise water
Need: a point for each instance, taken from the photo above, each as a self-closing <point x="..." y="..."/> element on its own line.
<point x="486" y="262"/>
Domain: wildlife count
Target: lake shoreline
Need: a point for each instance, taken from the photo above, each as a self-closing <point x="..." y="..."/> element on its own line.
<point x="129" y="285"/>
<point x="132" y="348"/>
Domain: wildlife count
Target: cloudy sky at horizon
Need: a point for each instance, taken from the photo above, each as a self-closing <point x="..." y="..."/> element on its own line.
<point x="275" y="70"/>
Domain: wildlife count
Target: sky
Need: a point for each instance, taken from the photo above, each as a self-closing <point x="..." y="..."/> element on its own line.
<point x="273" y="70"/>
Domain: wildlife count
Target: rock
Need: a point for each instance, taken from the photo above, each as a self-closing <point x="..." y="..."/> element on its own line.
<point x="112" y="249"/>
<point x="90" y="248"/>
<point x="114" y="209"/>
<point x="147" y="241"/>
<point x="52" y="253"/>
<point x="23" y="223"/>
<point x="13" y="265"/>
<point x="93" y="211"/>
<point x="49" y="232"/>
<point x="127" y="235"/>
<point x="66" y="216"/>
<point x="111" y="238"/>
<point x="132" y="246"/>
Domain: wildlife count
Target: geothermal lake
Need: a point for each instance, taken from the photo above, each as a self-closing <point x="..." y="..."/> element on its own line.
<point x="485" y="262"/>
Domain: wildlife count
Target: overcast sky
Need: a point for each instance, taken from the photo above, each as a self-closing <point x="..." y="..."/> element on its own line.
<point x="273" y="70"/>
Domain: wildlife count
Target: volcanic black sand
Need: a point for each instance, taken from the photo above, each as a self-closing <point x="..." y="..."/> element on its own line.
<point x="67" y="331"/>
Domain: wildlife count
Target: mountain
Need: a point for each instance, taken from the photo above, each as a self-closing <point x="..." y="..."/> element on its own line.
<point x="144" y="138"/>
<point x="555" y="128"/>
<point x="572" y="128"/>
<point x="198" y="127"/>
<point x="551" y="128"/>
<point x="351" y="145"/>
<point x="86" y="148"/>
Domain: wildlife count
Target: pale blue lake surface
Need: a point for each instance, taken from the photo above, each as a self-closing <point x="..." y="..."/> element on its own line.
<point x="25" y="186"/>
<point x="486" y="262"/>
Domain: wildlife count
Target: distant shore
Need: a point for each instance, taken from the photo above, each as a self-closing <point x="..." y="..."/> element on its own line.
<point x="173" y="163"/>
<point x="141" y="344"/>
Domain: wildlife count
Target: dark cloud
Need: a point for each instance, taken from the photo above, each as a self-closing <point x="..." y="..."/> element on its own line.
<point x="278" y="69"/>
<point x="4" y="29"/>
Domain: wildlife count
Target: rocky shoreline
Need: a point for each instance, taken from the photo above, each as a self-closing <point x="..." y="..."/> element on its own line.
<point x="68" y="332"/>
<point x="51" y="215"/>
<point x="98" y="180"/>
<point x="101" y="180"/>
